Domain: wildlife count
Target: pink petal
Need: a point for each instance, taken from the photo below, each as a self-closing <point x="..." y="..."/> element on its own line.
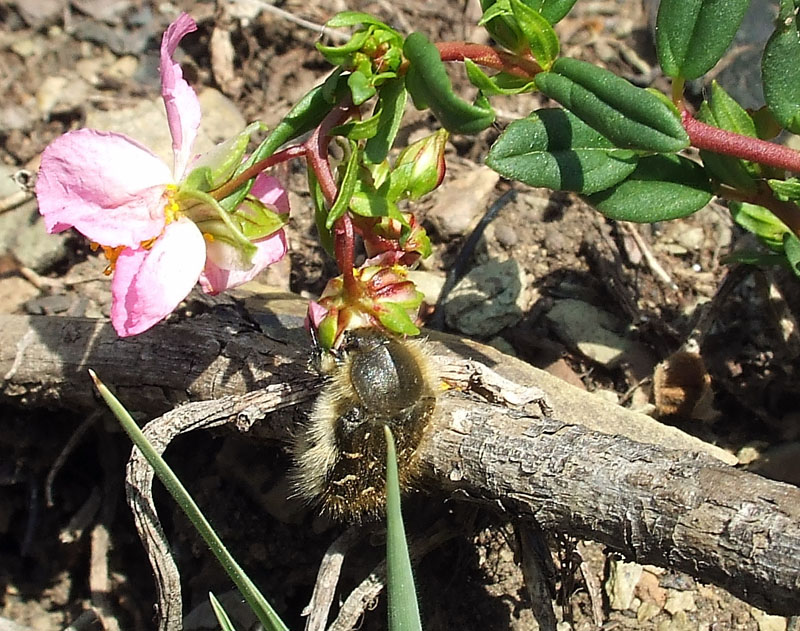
<point x="271" y="192"/>
<point x="183" y="108"/>
<point x="106" y="185"/>
<point x="220" y="272"/>
<point x="316" y="313"/>
<point x="149" y="284"/>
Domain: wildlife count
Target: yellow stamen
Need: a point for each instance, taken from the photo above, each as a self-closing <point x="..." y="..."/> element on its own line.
<point x="171" y="209"/>
<point x="208" y="237"/>
<point x="112" y="254"/>
<point x="172" y="212"/>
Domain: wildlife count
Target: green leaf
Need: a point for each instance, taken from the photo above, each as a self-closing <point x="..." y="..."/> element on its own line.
<point x="498" y="20"/>
<point x="352" y="18"/>
<point x="761" y="222"/>
<point x="403" y="608"/>
<point x="392" y="98"/>
<point x="786" y="190"/>
<point x="211" y="217"/>
<point x="728" y="114"/>
<point x="541" y="37"/>
<point x="767" y="127"/>
<point x="358" y="130"/>
<point x="303" y="117"/>
<point x="755" y="257"/>
<point x="224" y="621"/>
<point x="430" y="87"/>
<point x="396" y="319"/>
<point x="320" y="212"/>
<point x="493" y="86"/>
<point x="553" y="148"/>
<point x="791" y="247"/>
<point x="553" y="10"/>
<point x="628" y="116"/>
<point x="724" y="112"/>
<point x="661" y="188"/>
<point x="370" y="204"/>
<point x="215" y="167"/>
<point x="256" y="221"/>
<point x="340" y="55"/>
<point x="346" y="189"/>
<point x="780" y="71"/>
<point x="360" y="87"/>
<point x="726" y="169"/>
<point x="265" y="613"/>
<point x="692" y="35"/>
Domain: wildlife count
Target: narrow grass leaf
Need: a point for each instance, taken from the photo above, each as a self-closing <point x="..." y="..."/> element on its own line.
<point x="402" y="595"/>
<point x="225" y="623"/>
<point x="265" y="613"/>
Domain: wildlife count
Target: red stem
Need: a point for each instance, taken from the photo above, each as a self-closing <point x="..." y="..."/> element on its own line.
<point x="317" y="149"/>
<point x="317" y="155"/>
<point x="344" y="249"/>
<point x="295" y="151"/>
<point x="729" y="143"/>
<point x="524" y="67"/>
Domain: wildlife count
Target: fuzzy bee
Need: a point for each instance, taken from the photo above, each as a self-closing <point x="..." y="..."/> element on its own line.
<point x="375" y="379"/>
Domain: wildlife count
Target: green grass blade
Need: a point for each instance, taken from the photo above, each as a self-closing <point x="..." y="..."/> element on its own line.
<point x="402" y="596"/>
<point x="225" y="623"/>
<point x="265" y="613"/>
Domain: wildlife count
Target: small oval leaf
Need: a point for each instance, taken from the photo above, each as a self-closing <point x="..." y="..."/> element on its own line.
<point x="761" y="222"/>
<point x="554" y="10"/>
<point x="429" y="86"/>
<point x="304" y="116"/>
<point x="780" y="73"/>
<point x="628" y="116"/>
<point x="541" y="37"/>
<point x="692" y="35"/>
<point x="661" y="188"/>
<point x="724" y="112"/>
<point x="555" y="149"/>
<point x="392" y="98"/>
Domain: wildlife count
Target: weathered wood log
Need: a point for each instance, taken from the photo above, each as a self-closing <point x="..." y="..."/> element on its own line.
<point x="593" y="471"/>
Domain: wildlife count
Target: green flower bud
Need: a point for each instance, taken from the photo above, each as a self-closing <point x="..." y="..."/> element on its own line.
<point x="420" y="167"/>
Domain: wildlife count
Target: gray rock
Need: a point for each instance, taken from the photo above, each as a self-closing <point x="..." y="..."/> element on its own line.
<point x="31" y="245"/>
<point x="621" y="583"/>
<point x="679" y="601"/>
<point x="22" y="231"/>
<point x="591" y="330"/>
<point x="461" y="200"/>
<point x="14" y="293"/>
<point x="767" y="622"/>
<point x="429" y="283"/>
<point x="488" y="299"/>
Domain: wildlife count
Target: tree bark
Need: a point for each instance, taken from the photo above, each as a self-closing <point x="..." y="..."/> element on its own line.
<point x="593" y="471"/>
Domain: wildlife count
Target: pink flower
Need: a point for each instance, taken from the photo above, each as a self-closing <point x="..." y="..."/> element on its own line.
<point x="161" y="233"/>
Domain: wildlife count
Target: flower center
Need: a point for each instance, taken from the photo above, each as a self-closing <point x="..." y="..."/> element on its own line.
<point x="171" y="209"/>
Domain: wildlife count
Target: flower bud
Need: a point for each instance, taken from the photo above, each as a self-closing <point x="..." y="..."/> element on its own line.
<point x="420" y="167"/>
<point x="385" y="298"/>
